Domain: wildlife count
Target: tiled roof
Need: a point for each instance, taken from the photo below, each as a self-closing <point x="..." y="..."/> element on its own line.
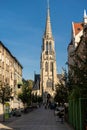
<point x="78" y="27"/>
<point x="36" y="82"/>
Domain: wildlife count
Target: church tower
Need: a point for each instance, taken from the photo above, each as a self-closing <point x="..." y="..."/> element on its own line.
<point x="48" y="76"/>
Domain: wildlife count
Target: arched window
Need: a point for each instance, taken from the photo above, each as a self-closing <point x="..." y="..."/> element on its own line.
<point x="49" y="83"/>
<point x="50" y="46"/>
<point x="51" y="66"/>
<point x="47" y="46"/>
<point x="46" y="66"/>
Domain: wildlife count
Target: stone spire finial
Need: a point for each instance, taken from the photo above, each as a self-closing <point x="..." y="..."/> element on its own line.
<point x="85" y="17"/>
<point x="85" y="13"/>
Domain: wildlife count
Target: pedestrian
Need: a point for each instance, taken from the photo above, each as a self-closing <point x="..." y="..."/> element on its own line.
<point x="61" y="116"/>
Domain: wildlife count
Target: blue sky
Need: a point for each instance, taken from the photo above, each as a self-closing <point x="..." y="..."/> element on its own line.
<point x="22" y="25"/>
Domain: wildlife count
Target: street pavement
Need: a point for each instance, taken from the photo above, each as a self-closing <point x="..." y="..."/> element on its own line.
<point x="39" y="119"/>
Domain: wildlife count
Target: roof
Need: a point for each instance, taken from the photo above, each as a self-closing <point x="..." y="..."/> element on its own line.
<point x="10" y="53"/>
<point x="37" y="77"/>
<point x="78" y="27"/>
<point x="36" y="82"/>
<point x="82" y="37"/>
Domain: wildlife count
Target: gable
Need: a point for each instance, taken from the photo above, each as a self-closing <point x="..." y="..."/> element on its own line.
<point x="78" y="27"/>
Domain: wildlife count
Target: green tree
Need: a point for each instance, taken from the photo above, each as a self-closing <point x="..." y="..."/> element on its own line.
<point x="61" y="95"/>
<point x="5" y="95"/>
<point x="34" y="98"/>
<point x="25" y="95"/>
<point x="39" y="99"/>
<point x="30" y="83"/>
<point x="77" y="80"/>
<point x="77" y="77"/>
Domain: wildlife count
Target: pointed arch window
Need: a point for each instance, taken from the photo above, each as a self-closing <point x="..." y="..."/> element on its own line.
<point x="46" y="66"/>
<point x="49" y="83"/>
<point x="51" y="66"/>
<point x="50" y="46"/>
<point x="47" y="46"/>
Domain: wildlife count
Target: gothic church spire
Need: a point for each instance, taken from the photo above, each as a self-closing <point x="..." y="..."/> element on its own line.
<point x="48" y="31"/>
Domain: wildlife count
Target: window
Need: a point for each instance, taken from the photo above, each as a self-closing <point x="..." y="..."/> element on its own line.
<point x="46" y="46"/>
<point x="51" y="66"/>
<point x="50" y="46"/>
<point x="78" y="29"/>
<point x="49" y="83"/>
<point x="46" y="66"/>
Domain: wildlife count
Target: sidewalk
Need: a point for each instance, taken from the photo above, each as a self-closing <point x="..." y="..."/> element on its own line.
<point x="39" y="119"/>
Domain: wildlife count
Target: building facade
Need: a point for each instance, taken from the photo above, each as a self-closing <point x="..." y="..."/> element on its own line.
<point x="10" y="73"/>
<point x="77" y="33"/>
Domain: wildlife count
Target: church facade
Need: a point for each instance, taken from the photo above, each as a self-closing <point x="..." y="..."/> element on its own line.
<point x="48" y="67"/>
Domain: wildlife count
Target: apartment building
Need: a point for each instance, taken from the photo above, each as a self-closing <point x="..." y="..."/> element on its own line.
<point x="77" y="33"/>
<point x="10" y="73"/>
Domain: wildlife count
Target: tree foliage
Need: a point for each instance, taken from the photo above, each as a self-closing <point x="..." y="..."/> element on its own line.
<point x="25" y="95"/>
<point x="30" y="83"/>
<point x="61" y="95"/>
<point x="36" y="98"/>
<point x="77" y="81"/>
<point x="77" y="77"/>
<point x="5" y="93"/>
